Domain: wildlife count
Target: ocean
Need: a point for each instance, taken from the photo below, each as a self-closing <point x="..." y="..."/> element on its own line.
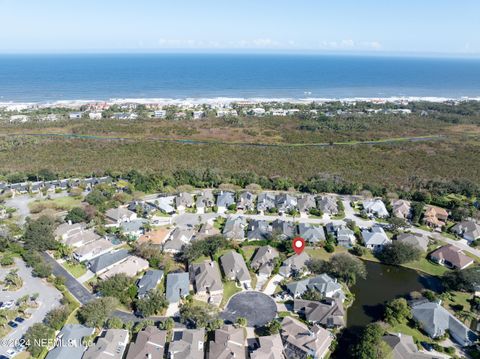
<point x="48" y="78"/>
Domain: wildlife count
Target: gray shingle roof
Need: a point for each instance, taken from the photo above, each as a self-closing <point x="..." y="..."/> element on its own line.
<point x="72" y="333"/>
<point x="435" y="320"/>
<point x="149" y="281"/>
<point x="177" y="286"/>
<point x="106" y="260"/>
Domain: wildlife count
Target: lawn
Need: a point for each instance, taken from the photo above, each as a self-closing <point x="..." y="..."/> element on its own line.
<point x="415" y="333"/>
<point x="426" y="266"/>
<point x="320" y="253"/>
<point x="458" y="298"/>
<point x="75" y="269"/>
<point x="249" y="251"/>
<point x="65" y="203"/>
<point x="229" y="289"/>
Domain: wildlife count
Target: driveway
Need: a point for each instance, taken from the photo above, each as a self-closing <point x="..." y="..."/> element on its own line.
<point x="256" y="307"/>
<point x="73" y="285"/>
<point x="272" y="284"/>
<point x="49" y="298"/>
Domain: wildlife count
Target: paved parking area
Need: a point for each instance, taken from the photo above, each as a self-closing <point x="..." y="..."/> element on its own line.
<point x="49" y="298"/>
<point x="256" y="307"/>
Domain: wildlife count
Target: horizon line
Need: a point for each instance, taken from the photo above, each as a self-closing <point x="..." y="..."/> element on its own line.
<point x="406" y="54"/>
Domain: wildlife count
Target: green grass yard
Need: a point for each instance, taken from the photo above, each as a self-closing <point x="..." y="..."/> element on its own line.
<point x="75" y="269"/>
<point x="229" y="289"/>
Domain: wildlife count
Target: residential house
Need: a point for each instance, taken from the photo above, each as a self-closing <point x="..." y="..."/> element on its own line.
<point x="468" y="229"/>
<point x="229" y="342"/>
<point x="285" y="203"/>
<point x="346" y="237"/>
<point x="415" y="239"/>
<point x="375" y="238"/>
<point x="183" y="201"/>
<point x="375" y="208"/>
<point x="80" y="238"/>
<point x="258" y="230"/>
<point x="116" y="216"/>
<point x="92" y="250"/>
<point x="435" y="217"/>
<point x="150" y="280"/>
<point x="149" y="344"/>
<point x="401" y="209"/>
<point x="178" y="286"/>
<point x="35" y="187"/>
<point x="205" y="200"/>
<point x="269" y="347"/>
<point x="187" y="344"/>
<point x="435" y="320"/>
<point x="328" y="313"/>
<point x="19" y="188"/>
<point x="305" y="204"/>
<point x="197" y="115"/>
<point x="95" y="115"/>
<point x="327" y="204"/>
<point x="125" y="116"/>
<point x="65" y="230"/>
<point x="108" y="260"/>
<point x="135" y="228"/>
<point x="130" y="267"/>
<point x="178" y="239"/>
<point x="164" y="204"/>
<point x="111" y="345"/>
<point x="323" y="283"/>
<point x="246" y="201"/>
<point x="206" y="230"/>
<point x="404" y="347"/>
<point x="70" y="334"/>
<point x="234" y="268"/>
<point x="207" y="281"/>
<point x="75" y="115"/>
<point x="265" y="202"/>
<point x="294" y="264"/>
<point x="19" y="118"/>
<point x="301" y="342"/>
<point x="311" y="233"/>
<point x="451" y="257"/>
<point x="263" y="262"/>
<point x="258" y="111"/>
<point x="283" y="229"/>
<point x="235" y="228"/>
<point x="143" y="208"/>
<point x="224" y="200"/>
<point x="160" y="114"/>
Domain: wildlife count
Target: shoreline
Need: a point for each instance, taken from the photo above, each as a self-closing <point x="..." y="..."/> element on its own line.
<point x="228" y="101"/>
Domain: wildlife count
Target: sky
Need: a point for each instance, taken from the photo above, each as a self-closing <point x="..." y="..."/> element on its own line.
<point x="294" y="26"/>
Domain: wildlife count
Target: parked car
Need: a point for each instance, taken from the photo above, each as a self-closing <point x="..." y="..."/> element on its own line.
<point x="12" y="324"/>
<point x="11" y="353"/>
<point x="4" y="357"/>
<point x="19" y="320"/>
<point x="8" y="305"/>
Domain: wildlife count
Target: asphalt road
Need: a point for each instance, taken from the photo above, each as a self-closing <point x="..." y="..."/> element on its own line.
<point x="73" y="285"/>
<point x="256" y="307"/>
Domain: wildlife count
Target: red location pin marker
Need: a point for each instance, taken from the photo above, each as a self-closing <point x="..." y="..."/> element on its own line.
<point x="298" y="245"/>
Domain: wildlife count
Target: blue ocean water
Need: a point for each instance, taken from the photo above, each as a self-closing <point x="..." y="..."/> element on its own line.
<point x="101" y="77"/>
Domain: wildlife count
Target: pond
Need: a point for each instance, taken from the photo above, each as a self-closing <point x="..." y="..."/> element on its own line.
<point x="384" y="283"/>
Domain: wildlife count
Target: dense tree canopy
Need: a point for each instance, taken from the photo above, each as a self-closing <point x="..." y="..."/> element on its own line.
<point x="371" y="345"/>
<point x="397" y="311"/>
<point x="464" y="280"/>
<point x="119" y="286"/>
<point x="96" y="312"/>
<point x="397" y="253"/>
<point x="39" y="234"/>
<point x="153" y="303"/>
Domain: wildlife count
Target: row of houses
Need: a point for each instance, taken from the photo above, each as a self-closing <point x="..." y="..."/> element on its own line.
<point x="52" y="186"/>
<point x="248" y="201"/>
<point x="294" y="340"/>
